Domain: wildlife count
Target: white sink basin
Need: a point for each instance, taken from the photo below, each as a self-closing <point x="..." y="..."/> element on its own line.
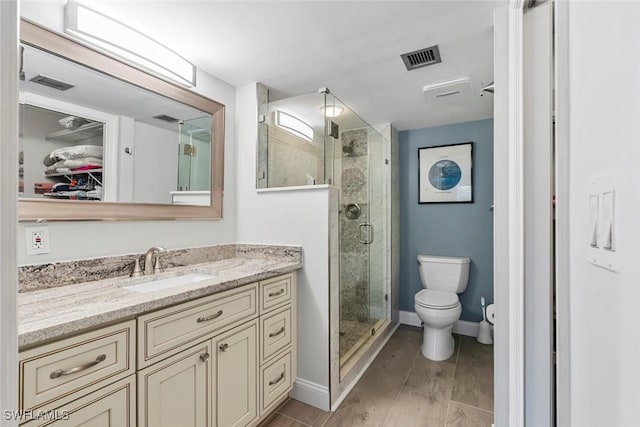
<point x="170" y="282"/>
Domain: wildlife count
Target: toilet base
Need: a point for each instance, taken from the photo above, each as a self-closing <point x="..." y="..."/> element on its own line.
<point x="437" y="344"/>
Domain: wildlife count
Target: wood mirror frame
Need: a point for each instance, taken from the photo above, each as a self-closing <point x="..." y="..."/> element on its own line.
<point x="60" y="210"/>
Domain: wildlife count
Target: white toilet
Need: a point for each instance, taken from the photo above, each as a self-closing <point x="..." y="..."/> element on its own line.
<point x="437" y="305"/>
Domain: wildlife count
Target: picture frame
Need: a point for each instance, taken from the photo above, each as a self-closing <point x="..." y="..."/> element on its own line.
<point x="445" y="173"/>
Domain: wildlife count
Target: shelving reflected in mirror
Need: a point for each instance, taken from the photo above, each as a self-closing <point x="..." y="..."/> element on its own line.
<point x="102" y="139"/>
<point x="88" y="136"/>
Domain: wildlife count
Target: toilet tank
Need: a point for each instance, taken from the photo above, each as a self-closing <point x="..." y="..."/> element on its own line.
<point x="444" y="273"/>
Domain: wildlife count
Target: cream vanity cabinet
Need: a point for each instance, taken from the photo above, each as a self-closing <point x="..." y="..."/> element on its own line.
<point x="220" y="361"/>
<point x="223" y="360"/>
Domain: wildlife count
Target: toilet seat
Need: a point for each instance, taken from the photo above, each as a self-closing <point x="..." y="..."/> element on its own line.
<point x="438" y="300"/>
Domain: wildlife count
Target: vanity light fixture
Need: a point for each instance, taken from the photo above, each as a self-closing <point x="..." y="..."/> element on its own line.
<point x="120" y="40"/>
<point x="294" y="125"/>
<point x="332" y="110"/>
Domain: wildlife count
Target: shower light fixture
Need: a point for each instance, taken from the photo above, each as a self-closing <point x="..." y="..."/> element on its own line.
<point x="331" y="110"/>
<point x="120" y="40"/>
<point x="294" y="125"/>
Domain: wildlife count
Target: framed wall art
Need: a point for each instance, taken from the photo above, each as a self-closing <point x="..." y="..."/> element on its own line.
<point x="444" y="174"/>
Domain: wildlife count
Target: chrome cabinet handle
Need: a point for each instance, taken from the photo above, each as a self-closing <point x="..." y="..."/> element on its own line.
<point x="276" y="381"/>
<point x="61" y="372"/>
<point x="224" y="347"/>
<point x="275" y="294"/>
<point x="213" y="316"/>
<point x="204" y="357"/>
<point x="275" y="334"/>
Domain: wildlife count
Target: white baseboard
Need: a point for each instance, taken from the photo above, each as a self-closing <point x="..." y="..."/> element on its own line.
<point x="410" y="318"/>
<point x="462" y="327"/>
<point x="312" y="394"/>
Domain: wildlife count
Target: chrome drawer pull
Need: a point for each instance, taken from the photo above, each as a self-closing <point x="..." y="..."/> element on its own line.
<point x="213" y="316"/>
<point x="61" y="372"/>
<point x="280" y="378"/>
<point x="224" y="347"/>
<point x="275" y="294"/>
<point x="204" y="357"/>
<point x="275" y="334"/>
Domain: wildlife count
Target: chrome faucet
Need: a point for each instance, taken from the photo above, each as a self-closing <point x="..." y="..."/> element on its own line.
<point x="149" y="267"/>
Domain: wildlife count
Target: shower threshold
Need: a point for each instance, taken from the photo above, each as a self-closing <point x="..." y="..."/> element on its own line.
<point x="368" y="331"/>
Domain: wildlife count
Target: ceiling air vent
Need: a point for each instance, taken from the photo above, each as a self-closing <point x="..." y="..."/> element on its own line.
<point x="53" y="83"/>
<point x="421" y="58"/>
<point x="166" y="118"/>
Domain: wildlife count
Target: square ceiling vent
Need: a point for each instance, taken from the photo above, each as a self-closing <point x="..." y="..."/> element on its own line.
<point x="421" y="58"/>
<point x="451" y="90"/>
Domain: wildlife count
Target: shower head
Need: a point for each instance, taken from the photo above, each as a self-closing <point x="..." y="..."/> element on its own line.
<point x="488" y="88"/>
<point x="347" y="150"/>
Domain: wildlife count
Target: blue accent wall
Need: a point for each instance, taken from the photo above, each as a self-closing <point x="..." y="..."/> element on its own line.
<point x="448" y="229"/>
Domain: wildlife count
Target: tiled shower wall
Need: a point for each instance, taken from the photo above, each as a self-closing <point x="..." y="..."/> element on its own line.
<point x="361" y="266"/>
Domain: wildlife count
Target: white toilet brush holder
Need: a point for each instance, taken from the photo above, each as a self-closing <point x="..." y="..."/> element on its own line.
<point x="484" y="333"/>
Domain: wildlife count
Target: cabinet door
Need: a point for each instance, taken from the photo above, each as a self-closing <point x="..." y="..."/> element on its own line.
<point x="236" y="368"/>
<point x="177" y="391"/>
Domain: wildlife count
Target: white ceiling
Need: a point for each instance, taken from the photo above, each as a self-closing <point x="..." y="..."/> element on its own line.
<point x="352" y="47"/>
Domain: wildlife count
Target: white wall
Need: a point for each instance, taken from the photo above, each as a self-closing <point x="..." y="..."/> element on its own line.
<point x="69" y="240"/>
<point x="155" y="164"/>
<point x="288" y="217"/>
<point x="604" y="89"/>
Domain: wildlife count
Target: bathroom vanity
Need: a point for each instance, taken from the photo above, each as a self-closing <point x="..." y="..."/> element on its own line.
<point x="219" y="350"/>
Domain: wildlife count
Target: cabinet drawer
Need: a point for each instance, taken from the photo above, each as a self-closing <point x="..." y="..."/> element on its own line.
<point x="276" y="330"/>
<point x="275" y="292"/>
<point x="111" y="406"/>
<point x="76" y="365"/>
<point x="275" y="381"/>
<point x="166" y="332"/>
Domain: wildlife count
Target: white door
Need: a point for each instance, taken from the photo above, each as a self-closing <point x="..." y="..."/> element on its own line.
<point x="523" y="222"/>
<point x="538" y="214"/>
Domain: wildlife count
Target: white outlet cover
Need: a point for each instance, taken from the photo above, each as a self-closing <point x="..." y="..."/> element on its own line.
<point x="43" y="246"/>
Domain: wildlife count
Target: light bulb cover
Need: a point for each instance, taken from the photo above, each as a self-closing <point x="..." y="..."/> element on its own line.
<point x="124" y="42"/>
<point x="331" y="110"/>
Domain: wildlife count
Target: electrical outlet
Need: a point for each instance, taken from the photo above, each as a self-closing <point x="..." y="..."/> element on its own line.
<point x="37" y="240"/>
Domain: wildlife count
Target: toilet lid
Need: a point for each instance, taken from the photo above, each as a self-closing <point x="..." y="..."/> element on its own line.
<point x="431" y="298"/>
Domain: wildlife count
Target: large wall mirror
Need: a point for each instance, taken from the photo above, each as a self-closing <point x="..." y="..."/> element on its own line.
<point x="103" y="140"/>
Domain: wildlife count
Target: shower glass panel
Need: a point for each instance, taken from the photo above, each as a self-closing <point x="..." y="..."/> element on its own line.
<point x="357" y="169"/>
<point x="317" y="139"/>
<point x="291" y="142"/>
<point x="194" y="167"/>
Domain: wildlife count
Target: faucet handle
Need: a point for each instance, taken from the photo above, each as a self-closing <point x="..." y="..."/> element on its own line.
<point x="157" y="267"/>
<point x="137" y="271"/>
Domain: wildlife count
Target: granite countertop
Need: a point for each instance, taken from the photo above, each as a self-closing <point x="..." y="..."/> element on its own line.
<point x="50" y="313"/>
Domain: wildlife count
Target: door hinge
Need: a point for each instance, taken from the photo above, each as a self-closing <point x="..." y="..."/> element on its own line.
<point x="334" y="129"/>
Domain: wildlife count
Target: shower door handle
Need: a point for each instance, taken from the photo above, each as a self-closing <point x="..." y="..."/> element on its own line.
<point x="369" y="239"/>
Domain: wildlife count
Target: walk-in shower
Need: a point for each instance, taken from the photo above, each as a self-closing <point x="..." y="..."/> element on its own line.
<point x="317" y="139"/>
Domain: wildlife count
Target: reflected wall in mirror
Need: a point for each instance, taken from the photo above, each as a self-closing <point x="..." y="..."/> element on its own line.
<point x="141" y="147"/>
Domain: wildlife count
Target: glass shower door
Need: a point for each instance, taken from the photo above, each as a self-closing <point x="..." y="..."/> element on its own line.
<point x="356" y="169"/>
<point x="194" y="167"/>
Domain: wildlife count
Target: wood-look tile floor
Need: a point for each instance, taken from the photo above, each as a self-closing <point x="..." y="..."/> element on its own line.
<point x="402" y="388"/>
